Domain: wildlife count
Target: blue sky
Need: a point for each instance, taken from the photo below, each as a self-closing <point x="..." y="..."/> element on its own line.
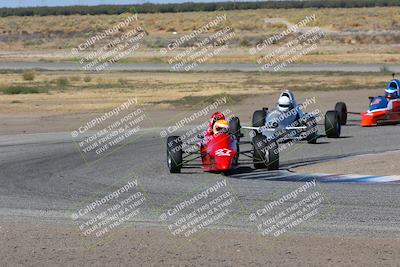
<point x="22" y="3"/>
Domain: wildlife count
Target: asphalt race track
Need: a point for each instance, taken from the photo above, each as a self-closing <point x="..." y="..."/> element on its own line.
<point x="44" y="178"/>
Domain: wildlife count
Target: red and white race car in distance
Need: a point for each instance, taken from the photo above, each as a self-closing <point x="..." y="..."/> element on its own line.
<point x="384" y="110"/>
<point x="219" y="150"/>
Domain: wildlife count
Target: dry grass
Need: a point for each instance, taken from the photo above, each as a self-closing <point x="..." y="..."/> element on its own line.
<point x="106" y="90"/>
<point x="325" y="54"/>
<point x="375" y="19"/>
<point x="365" y="35"/>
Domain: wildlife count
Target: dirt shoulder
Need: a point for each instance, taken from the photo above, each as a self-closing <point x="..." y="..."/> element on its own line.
<point x="377" y="164"/>
<point x="49" y="245"/>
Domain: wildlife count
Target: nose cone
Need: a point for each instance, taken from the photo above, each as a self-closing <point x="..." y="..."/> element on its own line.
<point x="367" y="119"/>
<point x="223" y="163"/>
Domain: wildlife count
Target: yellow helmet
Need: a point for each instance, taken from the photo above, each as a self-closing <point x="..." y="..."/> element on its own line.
<point x="220" y="126"/>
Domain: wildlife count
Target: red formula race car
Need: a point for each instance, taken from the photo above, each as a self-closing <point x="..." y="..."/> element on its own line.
<point x="384" y="110"/>
<point x="219" y="152"/>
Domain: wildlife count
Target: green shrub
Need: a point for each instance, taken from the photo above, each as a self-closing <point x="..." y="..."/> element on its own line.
<point x="15" y="90"/>
<point x="28" y="75"/>
<point x="123" y="82"/>
<point x="87" y="79"/>
<point x="62" y="81"/>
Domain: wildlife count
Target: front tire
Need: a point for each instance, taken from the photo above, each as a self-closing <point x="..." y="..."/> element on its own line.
<point x="341" y="108"/>
<point x="258" y="119"/>
<point x="174" y="154"/>
<point x="332" y="124"/>
<point x="265" y="153"/>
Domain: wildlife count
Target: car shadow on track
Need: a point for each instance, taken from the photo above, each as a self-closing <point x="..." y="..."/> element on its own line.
<point x="341" y="137"/>
<point x="249" y="173"/>
<point x="281" y="175"/>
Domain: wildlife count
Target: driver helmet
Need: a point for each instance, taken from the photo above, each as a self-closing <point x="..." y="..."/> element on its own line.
<point x="284" y="103"/>
<point x="392" y="90"/>
<point x="220" y="126"/>
<point x="215" y="117"/>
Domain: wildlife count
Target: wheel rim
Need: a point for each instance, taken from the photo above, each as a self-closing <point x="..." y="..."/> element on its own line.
<point x="267" y="156"/>
<point x="169" y="161"/>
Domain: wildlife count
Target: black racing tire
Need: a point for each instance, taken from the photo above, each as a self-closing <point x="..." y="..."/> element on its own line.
<point x="258" y="119"/>
<point x="332" y="124"/>
<point x="273" y="157"/>
<point x="234" y="127"/>
<point x="341" y="108"/>
<point x="174" y="154"/>
<point x="265" y="153"/>
<point x="311" y="126"/>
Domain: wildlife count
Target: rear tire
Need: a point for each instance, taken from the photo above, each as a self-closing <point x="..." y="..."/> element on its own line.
<point x="174" y="154"/>
<point x="234" y="127"/>
<point x="265" y="154"/>
<point x="332" y="124"/>
<point x="341" y="108"/>
<point x="258" y="119"/>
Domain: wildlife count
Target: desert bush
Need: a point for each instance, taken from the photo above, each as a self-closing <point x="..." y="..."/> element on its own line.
<point x="15" y="90"/>
<point x="123" y="82"/>
<point x="87" y="79"/>
<point x="28" y="75"/>
<point x="62" y="81"/>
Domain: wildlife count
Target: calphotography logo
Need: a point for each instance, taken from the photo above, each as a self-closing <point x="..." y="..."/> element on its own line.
<point x="302" y="41"/>
<point x="110" y="130"/>
<point x="110" y="46"/>
<point x="282" y="35"/>
<point x="209" y="207"/>
<point x="189" y="51"/>
<point x="106" y="214"/>
<point x="194" y="116"/>
<point x="281" y="215"/>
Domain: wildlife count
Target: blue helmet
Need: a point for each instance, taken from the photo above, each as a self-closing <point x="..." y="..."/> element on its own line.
<point x="392" y="89"/>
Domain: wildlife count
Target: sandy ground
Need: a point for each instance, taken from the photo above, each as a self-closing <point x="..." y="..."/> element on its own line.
<point x="378" y="164"/>
<point x="52" y="245"/>
<point x="43" y="120"/>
